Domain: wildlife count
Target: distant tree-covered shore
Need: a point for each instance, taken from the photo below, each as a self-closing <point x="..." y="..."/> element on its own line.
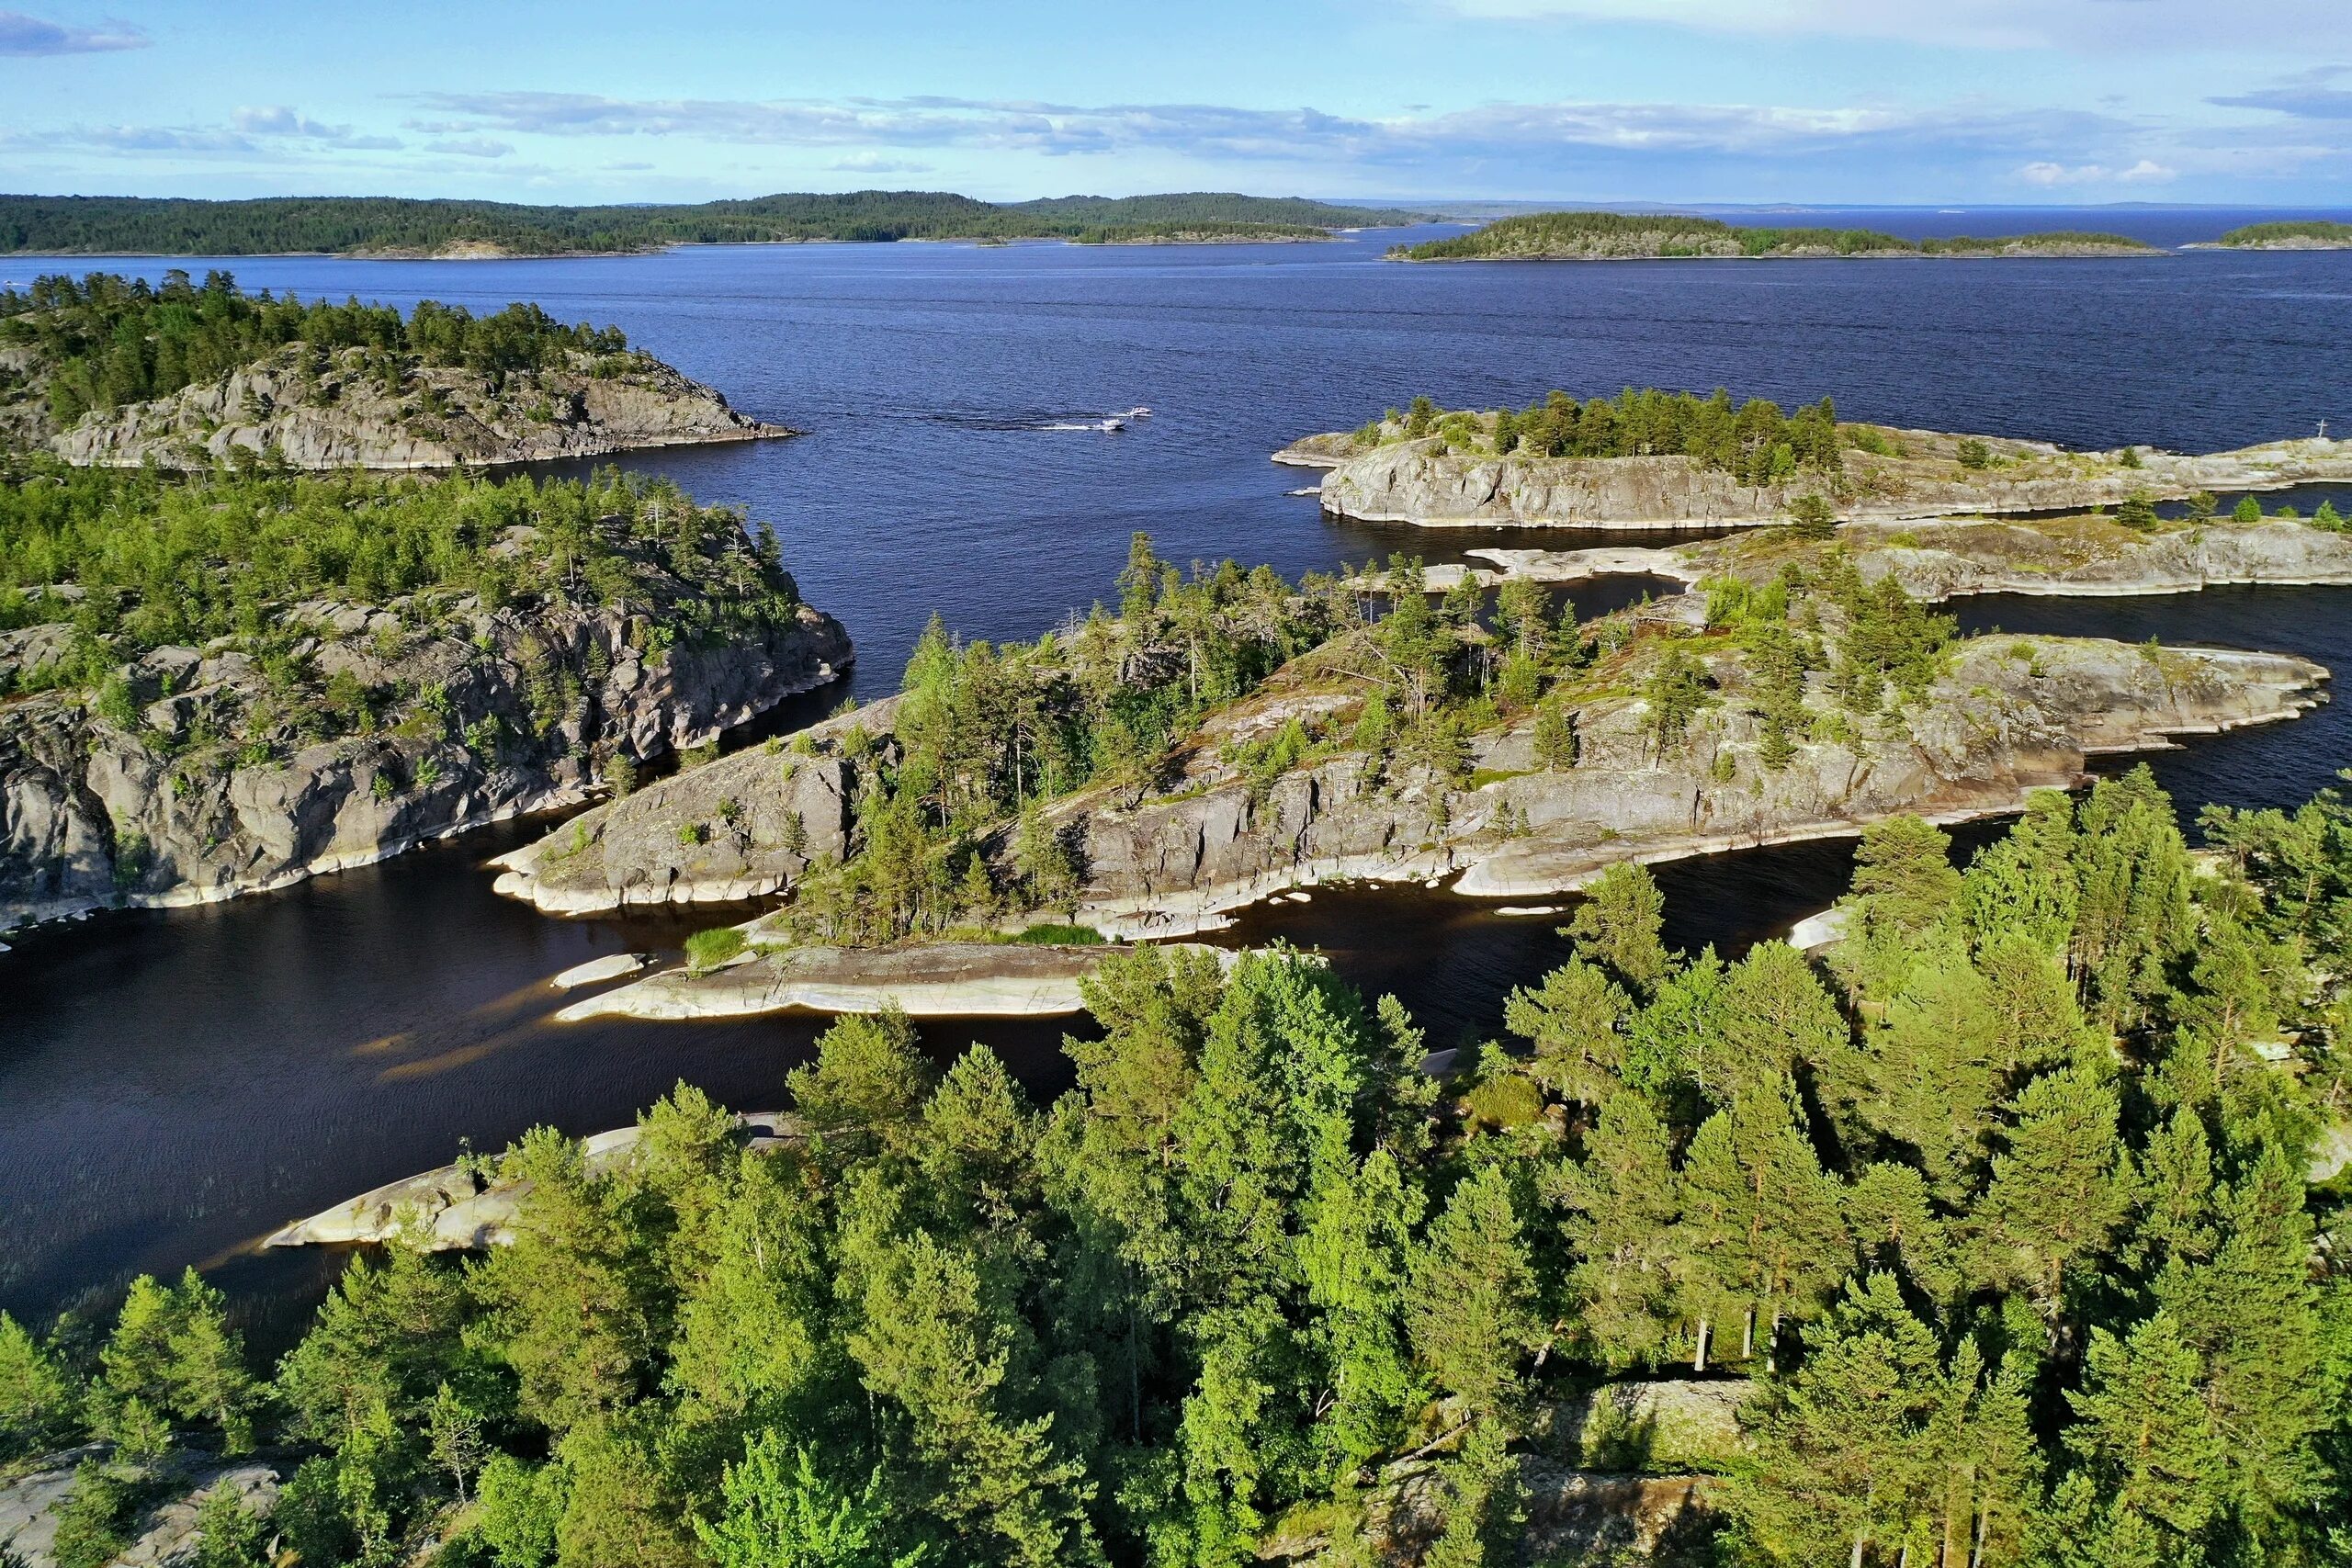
<point x="1539" y="236"/>
<point x="63" y="225"/>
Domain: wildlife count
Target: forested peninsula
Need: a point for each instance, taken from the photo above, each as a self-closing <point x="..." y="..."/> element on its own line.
<point x="1228" y="736"/>
<point x="114" y="372"/>
<point x="1647" y="459"/>
<point x="2000" y="1234"/>
<point x="1617" y="236"/>
<point x="231" y="682"/>
<point x="384" y="226"/>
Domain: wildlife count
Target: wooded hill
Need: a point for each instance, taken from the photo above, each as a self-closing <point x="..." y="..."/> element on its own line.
<point x="68" y="225"/>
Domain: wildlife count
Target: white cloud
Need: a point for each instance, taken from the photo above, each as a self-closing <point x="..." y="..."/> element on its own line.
<point x="472" y="147"/>
<point x="1288" y="135"/>
<point x="23" y="35"/>
<point x="277" y="120"/>
<point x="2104" y="25"/>
<point x="876" y="163"/>
<point x="2147" y="171"/>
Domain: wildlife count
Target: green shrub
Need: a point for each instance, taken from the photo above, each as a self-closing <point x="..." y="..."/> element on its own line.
<point x="1050" y="934"/>
<point x="708" y="950"/>
<point x="1974" y="453"/>
<point x="94" y="1525"/>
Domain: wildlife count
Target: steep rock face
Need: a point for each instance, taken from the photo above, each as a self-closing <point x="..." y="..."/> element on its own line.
<point x="2074" y="557"/>
<point x="2008" y="716"/>
<point x="1420" y="483"/>
<point x="506" y="714"/>
<point x="322" y="410"/>
<point x="739" y="827"/>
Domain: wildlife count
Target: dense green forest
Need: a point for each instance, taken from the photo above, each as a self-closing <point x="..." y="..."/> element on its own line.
<point x="63" y="225"/>
<point x="2293" y="229"/>
<point x="2001" y="1208"/>
<point x="1752" y="438"/>
<point x="1538" y="234"/>
<point x="148" y="560"/>
<point x="107" y="339"/>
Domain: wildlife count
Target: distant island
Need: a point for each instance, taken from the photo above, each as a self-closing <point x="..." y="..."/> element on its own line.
<point x="391" y="227"/>
<point x="2297" y="235"/>
<point x="1617" y="236"/>
<point x="113" y="372"/>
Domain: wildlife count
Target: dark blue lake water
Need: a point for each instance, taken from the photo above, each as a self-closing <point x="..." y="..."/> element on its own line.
<point x="173" y="1085"/>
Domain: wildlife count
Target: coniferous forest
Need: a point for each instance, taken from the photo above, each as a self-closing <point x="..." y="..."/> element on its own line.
<point x="75" y="225"/>
<point x="2001" y="1217"/>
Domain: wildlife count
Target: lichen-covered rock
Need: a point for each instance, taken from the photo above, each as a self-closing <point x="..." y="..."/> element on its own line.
<point x="739" y="827"/>
<point x="1674" y="1425"/>
<point x="488" y="714"/>
<point x="1421" y="482"/>
<point x="317" y="410"/>
<point x="2086" y="556"/>
<point x="164" y="1535"/>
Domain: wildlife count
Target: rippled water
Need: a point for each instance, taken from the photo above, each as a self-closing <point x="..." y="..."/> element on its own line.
<point x="173" y="1085"/>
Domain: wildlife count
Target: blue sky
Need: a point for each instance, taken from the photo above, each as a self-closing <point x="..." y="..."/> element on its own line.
<point x="2057" y="101"/>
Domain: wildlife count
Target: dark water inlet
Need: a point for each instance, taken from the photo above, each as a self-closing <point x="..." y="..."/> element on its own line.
<point x="173" y="1085"/>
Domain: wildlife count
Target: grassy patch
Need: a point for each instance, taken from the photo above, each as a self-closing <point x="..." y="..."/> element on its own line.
<point x="708" y="950"/>
<point x="1049" y="934"/>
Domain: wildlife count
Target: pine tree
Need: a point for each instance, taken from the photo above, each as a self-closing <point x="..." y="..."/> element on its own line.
<point x="1575" y="1020"/>
<point x="2058" y="1193"/>
<point x="2147" y="1439"/>
<point x="1621" y="1204"/>
<point x="1761" y="1235"/>
<point x="1933" y="1066"/>
<point x="1845" y="1455"/>
<point x="1471" y="1305"/>
<point x="1618" y="926"/>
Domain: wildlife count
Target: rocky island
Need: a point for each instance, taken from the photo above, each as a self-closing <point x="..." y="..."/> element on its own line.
<point x="217" y="686"/>
<point x="1617" y="236"/>
<point x="1512" y="752"/>
<point x="2074" y="557"/>
<point x="2292" y="235"/>
<point x="110" y="372"/>
<point x="1654" y="459"/>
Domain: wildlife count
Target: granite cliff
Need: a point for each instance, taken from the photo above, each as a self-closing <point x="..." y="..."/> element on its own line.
<point x="2002" y="717"/>
<point x="1920" y="475"/>
<point x="318" y="409"/>
<point x="163" y="811"/>
<point x="2073" y="556"/>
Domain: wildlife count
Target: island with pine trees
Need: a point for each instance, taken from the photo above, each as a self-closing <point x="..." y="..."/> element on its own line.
<point x="1657" y="236"/>
<point x="1231" y="737"/>
<point x="1647" y="459"/>
<point x="114" y="372"/>
<point x="220" y="684"/>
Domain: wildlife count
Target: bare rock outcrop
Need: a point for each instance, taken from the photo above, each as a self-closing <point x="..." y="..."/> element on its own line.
<point x="930" y="979"/>
<point x="740" y="828"/>
<point x="2006" y="715"/>
<point x="164" y="1535"/>
<point x="316" y="408"/>
<point x="2074" y="557"/>
<point x="1421" y="482"/>
<point x="241" y="776"/>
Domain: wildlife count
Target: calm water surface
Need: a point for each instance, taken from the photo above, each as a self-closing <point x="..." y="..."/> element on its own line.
<point x="174" y="1084"/>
